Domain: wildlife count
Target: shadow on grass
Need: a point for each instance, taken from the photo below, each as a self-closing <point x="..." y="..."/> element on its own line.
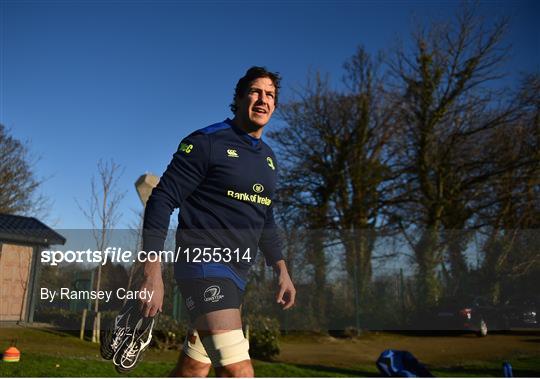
<point x="59" y="332"/>
<point x="430" y="333"/>
<point x="338" y="371"/>
<point x="483" y="372"/>
<point x="523" y="332"/>
<point x="439" y="333"/>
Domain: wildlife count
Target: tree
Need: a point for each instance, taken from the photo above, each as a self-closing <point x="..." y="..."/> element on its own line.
<point x="135" y="230"/>
<point x="448" y="104"/>
<point x="103" y="214"/>
<point x="308" y="175"/>
<point x="334" y="171"/>
<point x="511" y="248"/>
<point x="18" y="183"/>
<point x="367" y="125"/>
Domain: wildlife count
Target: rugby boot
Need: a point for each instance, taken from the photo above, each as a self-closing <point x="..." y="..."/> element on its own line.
<point x="135" y="342"/>
<point x="114" y="336"/>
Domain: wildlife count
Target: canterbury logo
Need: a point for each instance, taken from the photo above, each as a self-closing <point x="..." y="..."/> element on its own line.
<point x="186" y="148"/>
<point x="258" y="188"/>
<point x="232" y="153"/>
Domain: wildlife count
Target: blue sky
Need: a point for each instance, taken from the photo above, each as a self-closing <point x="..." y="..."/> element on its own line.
<point x="84" y="80"/>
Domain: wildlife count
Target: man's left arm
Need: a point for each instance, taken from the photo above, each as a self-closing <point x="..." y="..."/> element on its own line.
<point x="271" y="246"/>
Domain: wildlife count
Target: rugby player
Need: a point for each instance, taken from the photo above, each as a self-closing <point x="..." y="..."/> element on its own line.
<point x="223" y="180"/>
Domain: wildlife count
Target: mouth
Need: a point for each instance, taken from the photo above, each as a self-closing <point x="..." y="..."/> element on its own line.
<point x="259" y="110"/>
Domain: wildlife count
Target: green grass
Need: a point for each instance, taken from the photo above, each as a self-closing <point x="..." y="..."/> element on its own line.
<point x="59" y="354"/>
<point x="37" y="365"/>
<point x="522" y="367"/>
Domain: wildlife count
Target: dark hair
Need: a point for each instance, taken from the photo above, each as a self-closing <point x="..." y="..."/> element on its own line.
<point x="253" y="73"/>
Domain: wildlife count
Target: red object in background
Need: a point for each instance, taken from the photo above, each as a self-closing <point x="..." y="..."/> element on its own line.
<point x="12" y="354"/>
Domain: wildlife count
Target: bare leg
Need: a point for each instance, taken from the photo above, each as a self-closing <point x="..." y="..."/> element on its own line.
<point x="221" y="322"/>
<point x="242" y="369"/>
<point x="189" y="367"/>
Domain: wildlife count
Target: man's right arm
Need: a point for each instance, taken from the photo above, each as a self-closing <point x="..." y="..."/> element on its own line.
<point x="184" y="173"/>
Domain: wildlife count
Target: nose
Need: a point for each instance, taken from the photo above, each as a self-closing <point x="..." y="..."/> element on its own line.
<point x="262" y="98"/>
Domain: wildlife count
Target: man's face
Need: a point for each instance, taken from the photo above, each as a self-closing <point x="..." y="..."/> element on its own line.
<point x="258" y="103"/>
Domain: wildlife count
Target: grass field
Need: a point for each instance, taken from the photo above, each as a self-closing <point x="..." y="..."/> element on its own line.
<point x="56" y="354"/>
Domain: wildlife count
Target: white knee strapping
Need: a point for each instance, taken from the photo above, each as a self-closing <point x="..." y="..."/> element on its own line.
<point x="196" y="349"/>
<point x="226" y="348"/>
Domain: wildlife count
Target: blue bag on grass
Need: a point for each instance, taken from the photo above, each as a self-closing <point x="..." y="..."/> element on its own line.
<point x="507" y="370"/>
<point x="397" y="363"/>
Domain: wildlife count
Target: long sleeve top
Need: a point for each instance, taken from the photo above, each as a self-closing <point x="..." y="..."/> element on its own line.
<point x="223" y="181"/>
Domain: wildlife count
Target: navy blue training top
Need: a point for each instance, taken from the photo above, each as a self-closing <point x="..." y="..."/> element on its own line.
<point x="223" y="180"/>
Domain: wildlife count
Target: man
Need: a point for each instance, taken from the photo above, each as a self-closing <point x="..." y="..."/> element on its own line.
<point x="223" y="179"/>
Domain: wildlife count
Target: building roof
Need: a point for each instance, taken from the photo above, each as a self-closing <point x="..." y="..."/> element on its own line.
<point x="27" y="230"/>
